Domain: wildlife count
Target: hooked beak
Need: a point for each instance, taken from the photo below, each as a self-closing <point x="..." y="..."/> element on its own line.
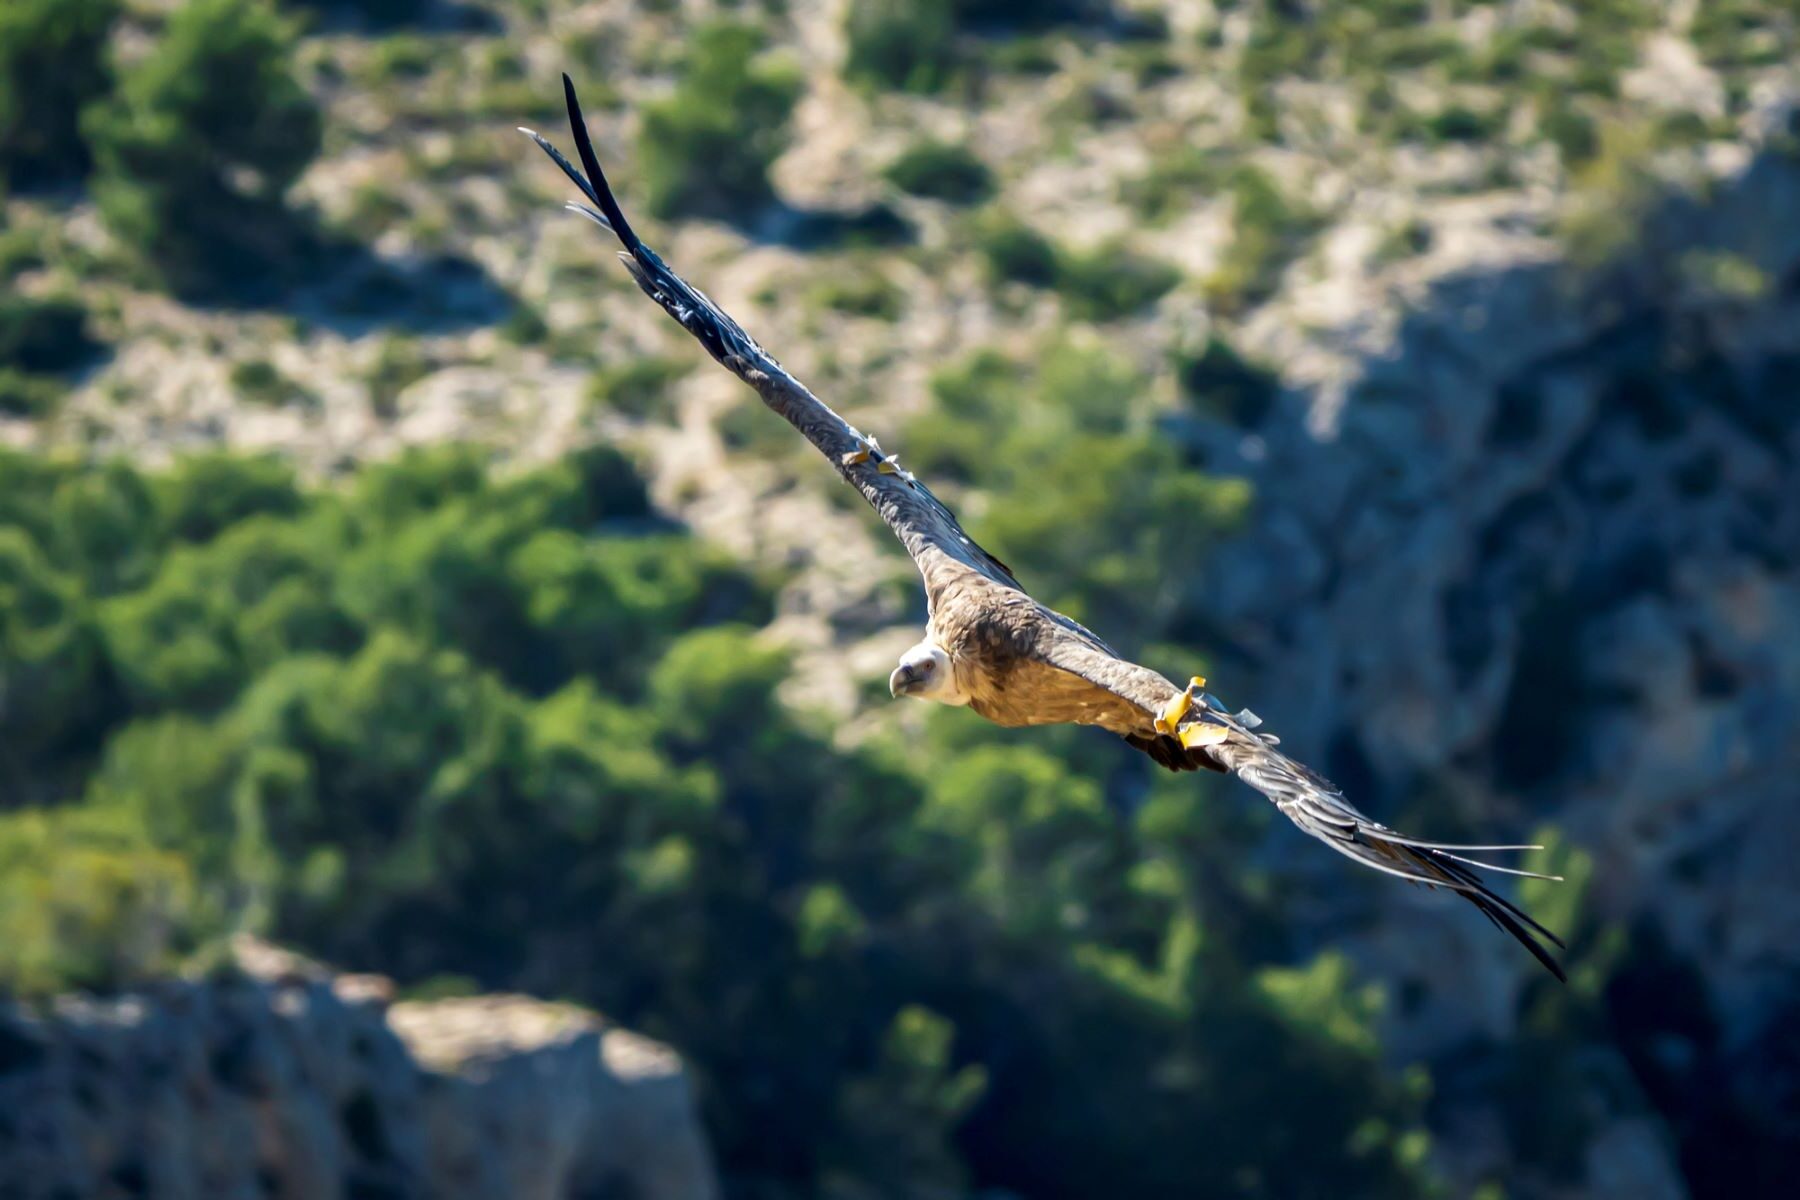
<point x="902" y="681"/>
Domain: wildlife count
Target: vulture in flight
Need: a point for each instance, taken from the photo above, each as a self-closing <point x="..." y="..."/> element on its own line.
<point x="992" y="648"/>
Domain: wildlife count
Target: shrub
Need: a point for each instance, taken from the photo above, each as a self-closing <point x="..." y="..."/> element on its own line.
<point x="1219" y="383"/>
<point x="1015" y="252"/>
<point x="1460" y="123"/>
<point x="861" y="291"/>
<point x="638" y="387"/>
<point x="44" y="336"/>
<point x="1024" y="14"/>
<point x="48" y="651"/>
<point x="259" y="381"/>
<point x="1111" y="281"/>
<point x="706" y="149"/>
<point x="905" y="44"/>
<point x="52" y="64"/>
<point x="202" y="496"/>
<point x="399" y="363"/>
<point x="941" y="171"/>
<point x="86" y="901"/>
<point x="24" y="395"/>
<point x="1177" y="181"/>
<point x="198" y="147"/>
<point x="1268" y="232"/>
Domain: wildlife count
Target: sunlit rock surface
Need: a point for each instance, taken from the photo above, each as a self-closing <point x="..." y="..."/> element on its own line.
<point x="284" y="1080"/>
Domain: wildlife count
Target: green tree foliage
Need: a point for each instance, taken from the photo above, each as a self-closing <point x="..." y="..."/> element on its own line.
<point x="706" y="149"/>
<point x="87" y="901"/>
<point x="53" y="62"/>
<point x="513" y="729"/>
<point x="49" y="652"/>
<point x="197" y="148"/>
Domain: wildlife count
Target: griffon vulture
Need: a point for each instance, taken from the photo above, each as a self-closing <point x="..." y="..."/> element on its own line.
<point x="989" y="646"/>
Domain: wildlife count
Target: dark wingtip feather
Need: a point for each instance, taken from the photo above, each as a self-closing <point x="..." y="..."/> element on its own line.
<point x="567" y="167"/>
<point x="1504" y="919"/>
<point x="1503" y="913"/>
<point x="596" y="187"/>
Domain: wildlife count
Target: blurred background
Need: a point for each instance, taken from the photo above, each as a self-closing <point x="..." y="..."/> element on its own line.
<point x="443" y="742"/>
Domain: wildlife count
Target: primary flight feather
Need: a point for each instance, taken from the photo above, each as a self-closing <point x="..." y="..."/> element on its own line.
<point x="988" y="645"/>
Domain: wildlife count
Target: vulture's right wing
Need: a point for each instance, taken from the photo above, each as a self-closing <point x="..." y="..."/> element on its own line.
<point x="927" y="529"/>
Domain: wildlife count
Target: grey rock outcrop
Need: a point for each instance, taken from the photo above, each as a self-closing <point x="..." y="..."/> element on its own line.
<point x="280" y="1079"/>
<point x="1544" y="567"/>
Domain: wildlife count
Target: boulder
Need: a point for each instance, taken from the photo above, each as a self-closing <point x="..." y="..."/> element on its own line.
<point x="278" y="1078"/>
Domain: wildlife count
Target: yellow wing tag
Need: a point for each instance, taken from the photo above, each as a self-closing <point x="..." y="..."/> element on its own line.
<point x="1203" y="733"/>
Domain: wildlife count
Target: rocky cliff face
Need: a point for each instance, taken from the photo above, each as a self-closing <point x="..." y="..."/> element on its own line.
<point x="283" y="1080"/>
<point x="1545" y="567"/>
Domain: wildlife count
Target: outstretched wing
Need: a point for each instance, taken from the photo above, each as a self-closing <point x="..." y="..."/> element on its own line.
<point x="1310" y="801"/>
<point x="1125" y="691"/>
<point x="928" y="530"/>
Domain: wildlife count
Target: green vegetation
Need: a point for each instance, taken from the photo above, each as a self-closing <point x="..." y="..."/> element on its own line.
<point x="87" y="901"/>
<point x="506" y="730"/>
<point x="638" y="387"/>
<point x="1268" y="232"/>
<point x="1068" y="433"/>
<point x="44" y="335"/>
<point x="1217" y="382"/>
<point x="259" y="381"/>
<point x="941" y="171"/>
<point x="1111" y="281"/>
<point x="1014" y="252"/>
<point x="52" y="64"/>
<point x="706" y="149"/>
<point x="196" y="150"/>
<point x="26" y="395"/>
<point x="41" y="339"/>
<point x="1107" y="283"/>
<point x="860" y="291"/>
<point x="399" y="363"/>
<point x="1177" y="182"/>
<point x="906" y="44"/>
<point x="914" y="45"/>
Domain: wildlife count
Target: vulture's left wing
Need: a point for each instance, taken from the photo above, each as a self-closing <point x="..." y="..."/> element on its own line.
<point x="927" y="529"/>
<point x="1192" y="732"/>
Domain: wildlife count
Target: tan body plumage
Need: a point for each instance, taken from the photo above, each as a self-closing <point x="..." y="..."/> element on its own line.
<point x="990" y="646"/>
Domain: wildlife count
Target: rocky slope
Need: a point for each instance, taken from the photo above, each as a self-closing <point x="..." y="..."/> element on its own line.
<point x="1544" y="569"/>
<point x="280" y="1079"/>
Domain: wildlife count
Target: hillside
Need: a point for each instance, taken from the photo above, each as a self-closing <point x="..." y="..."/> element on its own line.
<point x="1420" y="370"/>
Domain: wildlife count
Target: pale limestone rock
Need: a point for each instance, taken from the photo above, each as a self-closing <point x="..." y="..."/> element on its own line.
<point x="284" y="1080"/>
